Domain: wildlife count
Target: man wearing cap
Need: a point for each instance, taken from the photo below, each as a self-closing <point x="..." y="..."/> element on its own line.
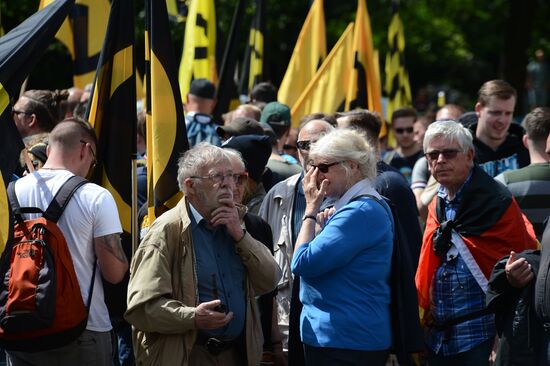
<point x="198" y="113"/>
<point x="255" y="151"/>
<point x="277" y="116"/>
<point x="240" y="126"/>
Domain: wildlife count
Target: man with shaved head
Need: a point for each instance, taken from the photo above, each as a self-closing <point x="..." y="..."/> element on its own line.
<point x="283" y="208"/>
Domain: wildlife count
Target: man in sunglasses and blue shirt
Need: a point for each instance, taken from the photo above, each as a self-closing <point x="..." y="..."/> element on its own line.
<point x="407" y="151"/>
<point x="472" y="222"/>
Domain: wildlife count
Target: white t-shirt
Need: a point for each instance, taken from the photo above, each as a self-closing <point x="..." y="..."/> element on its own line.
<point x="90" y="213"/>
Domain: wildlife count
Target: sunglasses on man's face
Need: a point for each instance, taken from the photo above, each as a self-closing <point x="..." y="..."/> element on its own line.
<point x="447" y="154"/>
<point x="402" y="130"/>
<point x="304" y="145"/>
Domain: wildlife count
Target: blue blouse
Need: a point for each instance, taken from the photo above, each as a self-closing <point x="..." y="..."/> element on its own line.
<point x="345" y="274"/>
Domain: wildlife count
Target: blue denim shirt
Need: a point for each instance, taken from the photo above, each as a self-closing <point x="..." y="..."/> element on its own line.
<point x="455" y="292"/>
<point x="215" y="256"/>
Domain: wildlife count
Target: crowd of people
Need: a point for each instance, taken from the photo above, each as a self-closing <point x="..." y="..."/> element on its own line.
<point x="315" y="245"/>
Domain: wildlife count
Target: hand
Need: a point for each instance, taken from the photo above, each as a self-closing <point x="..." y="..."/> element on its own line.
<point x="314" y="196"/>
<point x="228" y="216"/>
<point x="207" y="318"/>
<point x="322" y="217"/>
<point x="518" y="271"/>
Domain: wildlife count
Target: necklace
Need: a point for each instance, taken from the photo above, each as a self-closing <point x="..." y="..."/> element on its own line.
<point x="62" y="168"/>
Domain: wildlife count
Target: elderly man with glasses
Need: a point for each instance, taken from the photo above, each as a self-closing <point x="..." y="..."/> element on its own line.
<point x="472" y="222"/>
<point x="195" y="276"/>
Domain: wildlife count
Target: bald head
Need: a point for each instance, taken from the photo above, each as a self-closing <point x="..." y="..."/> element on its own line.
<point x="311" y="132"/>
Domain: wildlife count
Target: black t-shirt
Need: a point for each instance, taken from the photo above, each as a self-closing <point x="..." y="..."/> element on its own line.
<point x="405" y="164"/>
<point x="510" y="155"/>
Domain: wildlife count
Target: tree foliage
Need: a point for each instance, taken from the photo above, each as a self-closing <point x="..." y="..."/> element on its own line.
<point x="455" y="44"/>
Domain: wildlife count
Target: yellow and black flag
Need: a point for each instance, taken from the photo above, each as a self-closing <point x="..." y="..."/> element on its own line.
<point x="308" y="55"/>
<point x="20" y="50"/>
<point x="166" y="133"/>
<point x="83" y="33"/>
<point x="112" y="113"/>
<point x="364" y="89"/>
<point x="112" y="110"/>
<point x="397" y="85"/>
<point x="253" y="64"/>
<point x="198" y="59"/>
<point x="326" y="92"/>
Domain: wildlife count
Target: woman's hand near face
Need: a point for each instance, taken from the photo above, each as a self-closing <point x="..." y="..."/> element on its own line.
<point x="314" y="196"/>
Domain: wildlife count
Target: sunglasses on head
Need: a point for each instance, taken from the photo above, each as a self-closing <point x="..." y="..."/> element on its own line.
<point x="323" y="168"/>
<point x="447" y="154"/>
<point x="303" y="145"/>
<point x="401" y="130"/>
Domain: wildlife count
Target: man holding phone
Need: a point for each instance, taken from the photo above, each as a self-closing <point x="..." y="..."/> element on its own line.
<point x="194" y="278"/>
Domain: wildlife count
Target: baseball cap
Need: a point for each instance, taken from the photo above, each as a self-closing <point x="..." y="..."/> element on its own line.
<point x="276" y="113"/>
<point x="202" y="88"/>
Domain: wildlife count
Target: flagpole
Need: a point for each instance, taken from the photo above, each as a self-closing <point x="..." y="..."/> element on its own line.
<point x="228" y="63"/>
<point x="135" y="237"/>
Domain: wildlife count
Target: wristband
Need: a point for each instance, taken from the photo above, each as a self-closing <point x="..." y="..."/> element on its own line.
<point x="309" y="217"/>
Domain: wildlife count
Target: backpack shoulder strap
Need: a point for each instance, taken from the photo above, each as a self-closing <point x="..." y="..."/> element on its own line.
<point x="62" y="197"/>
<point x="16" y="208"/>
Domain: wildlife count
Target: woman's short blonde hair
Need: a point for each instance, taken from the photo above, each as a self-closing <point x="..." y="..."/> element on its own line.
<point x="346" y="145"/>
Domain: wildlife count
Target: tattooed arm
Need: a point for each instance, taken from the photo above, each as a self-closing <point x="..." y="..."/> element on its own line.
<point x="112" y="260"/>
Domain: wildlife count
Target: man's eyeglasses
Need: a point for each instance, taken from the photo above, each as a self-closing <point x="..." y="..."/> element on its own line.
<point x="323" y="168"/>
<point x="15" y="112"/>
<point x="304" y="145"/>
<point x="401" y="130"/>
<point x="447" y="154"/>
<point x="93" y="153"/>
<point x="219" y="178"/>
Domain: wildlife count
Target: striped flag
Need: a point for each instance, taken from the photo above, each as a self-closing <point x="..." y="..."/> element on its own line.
<point x="364" y="89"/>
<point x="397" y="85"/>
<point x="166" y="133"/>
<point x="83" y="33"/>
<point x="327" y="90"/>
<point x="308" y="55"/>
<point x="198" y="59"/>
<point x="112" y="110"/>
<point x="20" y="50"/>
<point x="252" y="73"/>
<point x="112" y="113"/>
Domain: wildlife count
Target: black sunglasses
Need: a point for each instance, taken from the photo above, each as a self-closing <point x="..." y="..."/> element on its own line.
<point x="15" y="112"/>
<point x="304" y="145"/>
<point x="447" y="154"/>
<point x="400" y="130"/>
<point x="323" y="168"/>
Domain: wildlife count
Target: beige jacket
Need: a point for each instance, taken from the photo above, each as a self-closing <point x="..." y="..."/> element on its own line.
<point x="162" y="293"/>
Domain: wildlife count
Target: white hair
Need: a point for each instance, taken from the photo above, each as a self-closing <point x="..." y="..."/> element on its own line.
<point x="194" y="161"/>
<point x="346" y="144"/>
<point x="451" y="131"/>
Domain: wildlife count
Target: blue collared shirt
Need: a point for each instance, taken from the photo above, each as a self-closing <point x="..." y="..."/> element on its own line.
<point x="217" y="261"/>
<point x="455" y="292"/>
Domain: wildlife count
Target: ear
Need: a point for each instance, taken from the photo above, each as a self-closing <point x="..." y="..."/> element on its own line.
<point x="470" y="155"/>
<point x="477" y="108"/>
<point x="189" y="184"/>
<point x="32" y="123"/>
<point x="525" y="141"/>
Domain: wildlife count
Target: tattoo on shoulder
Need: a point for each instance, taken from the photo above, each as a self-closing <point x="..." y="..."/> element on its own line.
<point x="113" y="245"/>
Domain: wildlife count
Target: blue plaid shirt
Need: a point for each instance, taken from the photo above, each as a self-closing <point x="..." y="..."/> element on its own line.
<point x="455" y="292"/>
